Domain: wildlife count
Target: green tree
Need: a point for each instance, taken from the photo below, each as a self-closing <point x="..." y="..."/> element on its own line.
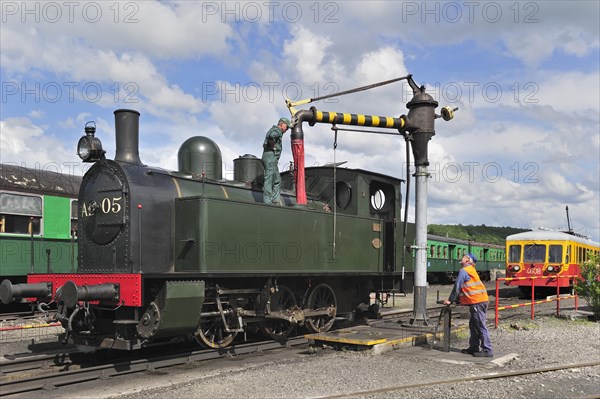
<point x="588" y="286"/>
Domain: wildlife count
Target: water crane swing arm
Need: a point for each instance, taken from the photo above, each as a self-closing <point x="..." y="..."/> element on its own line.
<point x="417" y="127"/>
<point x="291" y="104"/>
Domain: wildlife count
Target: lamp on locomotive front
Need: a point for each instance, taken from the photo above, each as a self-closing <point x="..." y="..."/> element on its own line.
<point x="89" y="147"/>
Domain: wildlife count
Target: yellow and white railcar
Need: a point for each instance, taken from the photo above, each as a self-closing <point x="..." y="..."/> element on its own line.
<point x="548" y="256"/>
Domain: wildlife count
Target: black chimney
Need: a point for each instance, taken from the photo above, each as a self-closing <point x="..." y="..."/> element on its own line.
<point x="127" y="130"/>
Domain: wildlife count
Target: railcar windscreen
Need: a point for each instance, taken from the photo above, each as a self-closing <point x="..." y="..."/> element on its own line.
<point x="534" y="253"/>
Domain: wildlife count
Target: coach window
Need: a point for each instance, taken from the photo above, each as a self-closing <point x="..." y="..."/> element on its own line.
<point x="20" y="214"/>
<point x="74" y="214"/>
<point x="555" y="254"/>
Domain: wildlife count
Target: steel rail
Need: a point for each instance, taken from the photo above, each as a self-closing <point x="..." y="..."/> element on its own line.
<point x="16" y="316"/>
<point x="509" y="374"/>
<point x="10" y="366"/>
<point x="61" y="378"/>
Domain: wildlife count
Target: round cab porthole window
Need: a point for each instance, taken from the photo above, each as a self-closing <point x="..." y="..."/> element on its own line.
<point x="343" y="194"/>
<point x="378" y="200"/>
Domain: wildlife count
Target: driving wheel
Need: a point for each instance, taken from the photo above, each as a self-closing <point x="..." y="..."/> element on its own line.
<point x="321" y="297"/>
<point x="281" y="300"/>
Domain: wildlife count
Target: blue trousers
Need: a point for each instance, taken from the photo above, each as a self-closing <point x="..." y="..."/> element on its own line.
<point x="480" y="337"/>
<point x="272" y="185"/>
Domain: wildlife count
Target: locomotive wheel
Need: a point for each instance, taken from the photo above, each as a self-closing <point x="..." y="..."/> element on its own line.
<point x="278" y="329"/>
<point x="211" y="334"/>
<point x="321" y="296"/>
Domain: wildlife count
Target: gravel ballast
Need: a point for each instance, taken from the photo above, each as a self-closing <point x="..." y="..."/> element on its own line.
<point x="547" y="341"/>
<point x="544" y="342"/>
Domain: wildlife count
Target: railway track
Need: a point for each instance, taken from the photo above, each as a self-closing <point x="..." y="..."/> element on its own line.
<point x="14" y="316"/>
<point x="28" y="374"/>
<point x="24" y="315"/>
<point x="490" y="376"/>
<point x="31" y="373"/>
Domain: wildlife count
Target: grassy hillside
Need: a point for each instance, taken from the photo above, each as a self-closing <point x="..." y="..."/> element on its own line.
<point x="483" y="233"/>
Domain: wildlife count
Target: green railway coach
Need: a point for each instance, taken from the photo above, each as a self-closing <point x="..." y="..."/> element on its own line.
<point x="38" y="221"/>
<point x="444" y="254"/>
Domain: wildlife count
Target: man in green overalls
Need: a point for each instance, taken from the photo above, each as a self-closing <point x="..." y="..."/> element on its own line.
<point x="270" y="159"/>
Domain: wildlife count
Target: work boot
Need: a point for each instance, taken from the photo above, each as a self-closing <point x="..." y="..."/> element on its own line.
<point x="469" y="351"/>
<point x="483" y="354"/>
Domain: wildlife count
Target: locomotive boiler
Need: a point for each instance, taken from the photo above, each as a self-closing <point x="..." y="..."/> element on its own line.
<point x="166" y="255"/>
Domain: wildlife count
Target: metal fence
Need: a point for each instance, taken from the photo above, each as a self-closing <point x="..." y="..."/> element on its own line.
<point x="533" y="302"/>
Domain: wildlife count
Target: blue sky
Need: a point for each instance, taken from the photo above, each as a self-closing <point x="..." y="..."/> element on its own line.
<point x="525" y="75"/>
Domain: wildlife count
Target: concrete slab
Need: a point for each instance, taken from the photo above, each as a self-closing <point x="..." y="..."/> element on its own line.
<point x="456" y="357"/>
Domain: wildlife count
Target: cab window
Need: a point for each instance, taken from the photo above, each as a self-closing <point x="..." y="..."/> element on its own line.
<point x="555" y="254"/>
<point x="514" y="253"/>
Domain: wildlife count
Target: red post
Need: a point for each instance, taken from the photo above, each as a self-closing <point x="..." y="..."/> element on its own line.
<point x="497" y="303"/>
<point x="532" y="297"/>
<point x="557" y="298"/>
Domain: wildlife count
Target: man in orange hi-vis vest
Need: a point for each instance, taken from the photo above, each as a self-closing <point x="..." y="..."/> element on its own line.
<point x="471" y="292"/>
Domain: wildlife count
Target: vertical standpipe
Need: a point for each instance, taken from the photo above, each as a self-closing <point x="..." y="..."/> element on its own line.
<point x="421" y="117"/>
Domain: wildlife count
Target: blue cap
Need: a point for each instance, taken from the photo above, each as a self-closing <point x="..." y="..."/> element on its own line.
<point x="473" y="257"/>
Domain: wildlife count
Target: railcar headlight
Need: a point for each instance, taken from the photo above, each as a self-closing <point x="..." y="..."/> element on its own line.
<point x="550" y="269"/>
<point x="516" y="268"/>
<point x="89" y="147"/>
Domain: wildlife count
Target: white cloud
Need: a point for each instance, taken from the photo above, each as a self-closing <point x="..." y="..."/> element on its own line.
<point x="82" y="53"/>
<point x="530" y="31"/>
<point x="158" y="29"/>
<point x="24" y="143"/>
<point x="307" y="45"/>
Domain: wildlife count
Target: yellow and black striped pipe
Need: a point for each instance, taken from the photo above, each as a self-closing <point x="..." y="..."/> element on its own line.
<point x="360" y="120"/>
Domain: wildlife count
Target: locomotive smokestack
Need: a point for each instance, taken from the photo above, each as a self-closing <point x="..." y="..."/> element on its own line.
<point x="127" y="130"/>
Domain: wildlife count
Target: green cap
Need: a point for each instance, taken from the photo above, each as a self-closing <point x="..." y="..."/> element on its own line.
<point x="285" y="120"/>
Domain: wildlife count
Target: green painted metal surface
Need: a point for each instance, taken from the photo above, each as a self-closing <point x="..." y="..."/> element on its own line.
<point x="228" y="236"/>
<point x="15" y="256"/>
<point x="57" y="217"/>
<point x="180" y="304"/>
